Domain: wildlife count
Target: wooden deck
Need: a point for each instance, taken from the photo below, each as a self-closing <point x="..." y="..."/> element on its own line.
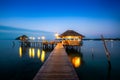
<point x="57" y="66"/>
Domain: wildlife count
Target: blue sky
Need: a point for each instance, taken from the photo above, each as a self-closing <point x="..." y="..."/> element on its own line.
<point x="89" y="17"/>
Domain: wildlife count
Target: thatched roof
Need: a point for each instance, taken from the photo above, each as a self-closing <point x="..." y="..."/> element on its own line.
<point x="70" y="33"/>
<point x="23" y="37"/>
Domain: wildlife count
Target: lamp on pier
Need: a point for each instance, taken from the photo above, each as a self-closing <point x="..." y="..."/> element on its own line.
<point x="43" y="38"/>
<point x="33" y="38"/>
<point x="38" y="38"/>
<point x="56" y="35"/>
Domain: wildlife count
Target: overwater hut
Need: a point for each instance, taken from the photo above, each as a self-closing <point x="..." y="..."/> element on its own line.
<point x="71" y="38"/>
<point x="22" y="38"/>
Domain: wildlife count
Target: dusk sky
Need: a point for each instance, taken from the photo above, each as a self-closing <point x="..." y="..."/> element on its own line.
<point x="89" y="17"/>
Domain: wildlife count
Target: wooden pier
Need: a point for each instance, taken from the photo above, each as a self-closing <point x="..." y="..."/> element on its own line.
<point x="57" y="66"/>
<point x="43" y="45"/>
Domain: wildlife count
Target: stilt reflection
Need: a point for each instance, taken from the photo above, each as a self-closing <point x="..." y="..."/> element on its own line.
<point x="92" y="53"/>
<point x="13" y="44"/>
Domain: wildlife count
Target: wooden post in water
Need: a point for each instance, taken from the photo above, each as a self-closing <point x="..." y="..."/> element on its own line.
<point x="92" y="53"/>
<point x="106" y="51"/>
<point x="108" y="57"/>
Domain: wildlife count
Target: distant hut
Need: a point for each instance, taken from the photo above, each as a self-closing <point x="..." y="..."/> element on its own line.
<point x="22" y="38"/>
<point x="71" y="38"/>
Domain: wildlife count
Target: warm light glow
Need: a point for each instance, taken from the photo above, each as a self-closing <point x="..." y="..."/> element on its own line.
<point x="69" y="37"/>
<point x="20" y="38"/>
<point x="79" y="39"/>
<point x="30" y="37"/>
<point x="43" y="56"/>
<point x="33" y="53"/>
<point x="30" y="52"/>
<point x="43" y="37"/>
<point x="56" y="35"/>
<point x="20" y="51"/>
<point x="76" y="61"/>
<point x="38" y="53"/>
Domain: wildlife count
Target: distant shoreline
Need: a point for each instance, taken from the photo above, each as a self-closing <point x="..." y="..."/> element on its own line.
<point x="99" y="39"/>
<point x="87" y="39"/>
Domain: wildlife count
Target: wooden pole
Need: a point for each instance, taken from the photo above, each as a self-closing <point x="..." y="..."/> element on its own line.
<point x="105" y="47"/>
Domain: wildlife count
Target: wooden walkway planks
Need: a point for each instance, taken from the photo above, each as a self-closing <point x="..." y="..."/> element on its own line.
<point x="57" y="66"/>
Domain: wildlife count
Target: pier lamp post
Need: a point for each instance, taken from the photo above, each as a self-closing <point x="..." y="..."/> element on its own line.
<point x="56" y="35"/>
<point x="30" y="38"/>
<point x="33" y="38"/>
<point x="43" y="38"/>
<point x="38" y="39"/>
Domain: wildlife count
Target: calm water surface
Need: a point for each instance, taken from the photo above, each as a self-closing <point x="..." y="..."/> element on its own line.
<point x="21" y="63"/>
<point x="91" y="62"/>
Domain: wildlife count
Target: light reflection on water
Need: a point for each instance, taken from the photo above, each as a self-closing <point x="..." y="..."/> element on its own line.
<point x="32" y="53"/>
<point x="22" y="63"/>
<point x="75" y="58"/>
<point x="76" y="61"/>
<point x="19" y="62"/>
<point x="91" y="62"/>
<point x="38" y="53"/>
<point x="20" y="51"/>
<point x="43" y="56"/>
